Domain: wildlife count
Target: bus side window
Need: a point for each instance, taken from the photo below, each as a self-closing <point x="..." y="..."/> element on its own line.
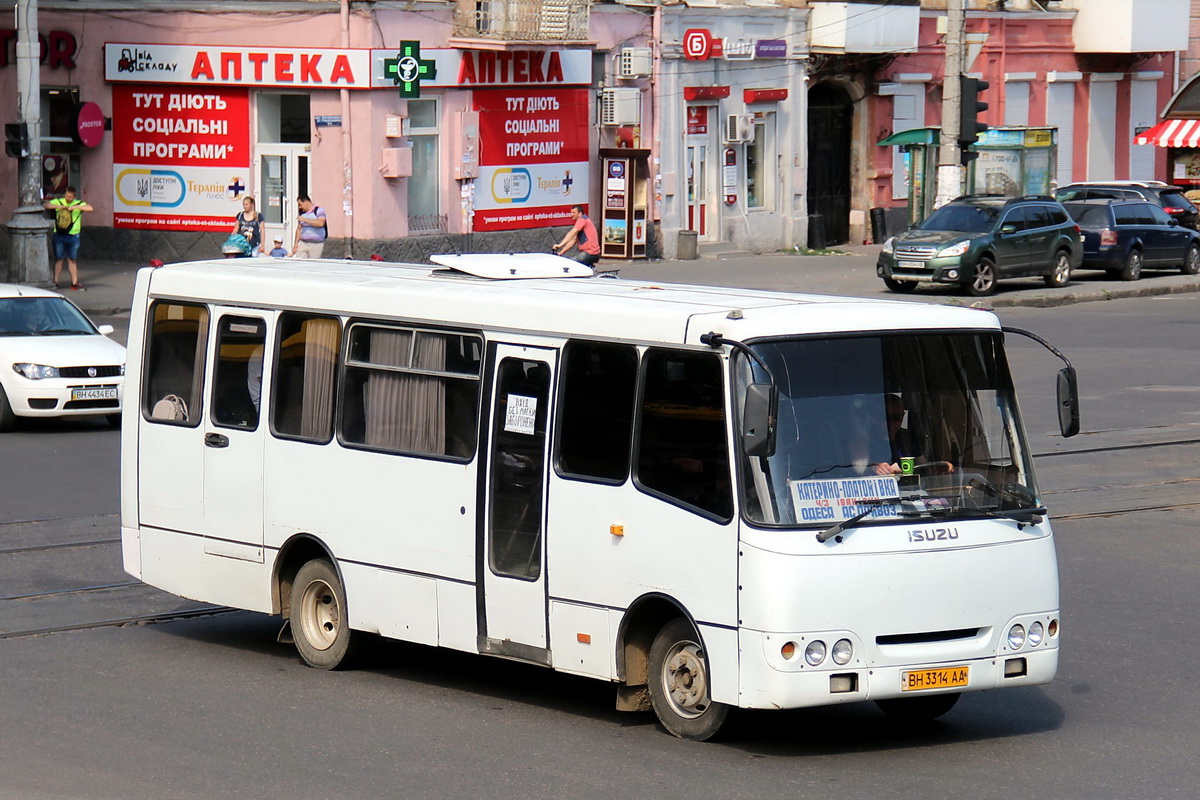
<point x="237" y="374"/>
<point x="175" y="363"/>
<point x="411" y="391"/>
<point x="599" y="391"/>
<point x="305" y="375"/>
<point x="683" y="452"/>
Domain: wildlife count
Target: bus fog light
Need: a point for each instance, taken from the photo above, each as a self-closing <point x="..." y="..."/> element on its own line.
<point x="1014" y="667"/>
<point x="1016" y="637"/>
<point x="1036" y="633"/>
<point x="841" y="684"/>
<point x="843" y="651"/>
<point x="814" y="654"/>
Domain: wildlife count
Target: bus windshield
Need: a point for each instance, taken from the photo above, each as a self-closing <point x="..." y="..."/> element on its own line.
<point x="903" y="426"/>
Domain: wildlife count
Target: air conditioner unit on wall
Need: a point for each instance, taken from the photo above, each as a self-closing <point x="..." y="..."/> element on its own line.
<point x="621" y="106"/>
<point x="739" y="128"/>
<point x="635" y="62"/>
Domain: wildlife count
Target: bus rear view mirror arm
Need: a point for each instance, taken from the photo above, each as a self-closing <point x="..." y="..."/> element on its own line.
<point x="1068" y="386"/>
<point x="760" y="410"/>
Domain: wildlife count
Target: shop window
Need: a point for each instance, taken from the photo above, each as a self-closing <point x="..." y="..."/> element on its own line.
<point x="60" y="162"/>
<point x="424" y="201"/>
<point x="284" y="118"/>
<point x="760" y="155"/>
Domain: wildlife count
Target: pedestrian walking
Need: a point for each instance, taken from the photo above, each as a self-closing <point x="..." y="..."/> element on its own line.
<point x="583" y="235"/>
<point x="249" y="224"/>
<point x="312" y="230"/>
<point x="68" y="222"/>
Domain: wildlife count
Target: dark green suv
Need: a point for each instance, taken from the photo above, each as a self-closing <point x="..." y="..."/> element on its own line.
<point x="975" y="241"/>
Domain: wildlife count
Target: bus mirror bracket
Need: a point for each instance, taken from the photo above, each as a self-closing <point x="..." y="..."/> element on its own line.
<point x="761" y="407"/>
<point x="1067" y="394"/>
<point x="758" y="419"/>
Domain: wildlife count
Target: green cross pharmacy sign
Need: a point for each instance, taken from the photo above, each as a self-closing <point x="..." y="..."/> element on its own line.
<point x="408" y="69"/>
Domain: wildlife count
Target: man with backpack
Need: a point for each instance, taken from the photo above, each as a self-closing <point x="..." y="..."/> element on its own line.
<point x="68" y="221"/>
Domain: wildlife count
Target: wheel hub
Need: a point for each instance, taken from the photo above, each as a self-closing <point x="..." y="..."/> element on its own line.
<point x="685" y="681"/>
<point x="319" y="615"/>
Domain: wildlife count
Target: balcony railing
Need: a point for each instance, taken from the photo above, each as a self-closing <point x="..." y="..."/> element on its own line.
<point x="522" y="20"/>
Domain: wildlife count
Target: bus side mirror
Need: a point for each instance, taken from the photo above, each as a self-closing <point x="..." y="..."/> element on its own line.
<point x="1068" y="402"/>
<point x="758" y="419"/>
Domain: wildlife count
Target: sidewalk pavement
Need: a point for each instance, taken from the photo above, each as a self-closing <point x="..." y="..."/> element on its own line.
<point x="849" y="272"/>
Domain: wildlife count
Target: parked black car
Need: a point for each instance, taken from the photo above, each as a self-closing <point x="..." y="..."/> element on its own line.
<point x="1123" y="237"/>
<point x="975" y="241"/>
<point x="1170" y="199"/>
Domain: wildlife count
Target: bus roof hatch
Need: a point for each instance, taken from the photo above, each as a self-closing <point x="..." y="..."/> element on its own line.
<point x="509" y="266"/>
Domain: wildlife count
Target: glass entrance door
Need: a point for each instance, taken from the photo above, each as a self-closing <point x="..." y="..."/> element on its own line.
<point x="283" y="173"/>
<point x="699" y="188"/>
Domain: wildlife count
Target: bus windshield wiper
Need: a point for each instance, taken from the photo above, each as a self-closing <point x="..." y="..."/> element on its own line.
<point x="872" y="504"/>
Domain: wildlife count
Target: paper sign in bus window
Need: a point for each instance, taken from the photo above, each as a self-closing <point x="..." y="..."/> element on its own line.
<point x="520" y="414"/>
<point x="837" y="500"/>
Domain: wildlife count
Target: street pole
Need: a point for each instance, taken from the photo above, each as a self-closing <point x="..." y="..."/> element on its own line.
<point x="29" y="255"/>
<point x="950" y="169"/>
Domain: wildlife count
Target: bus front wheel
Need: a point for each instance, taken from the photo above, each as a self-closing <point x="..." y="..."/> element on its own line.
<point x="679" y="684"/>
<point x="318" y="616"/>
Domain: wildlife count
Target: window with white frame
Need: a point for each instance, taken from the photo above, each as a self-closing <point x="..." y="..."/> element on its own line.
<point x="424" y="201"/>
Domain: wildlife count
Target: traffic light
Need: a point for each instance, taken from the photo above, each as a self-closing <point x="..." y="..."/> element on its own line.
<point x="969" y="126"/>
<point x="16" y="139"/>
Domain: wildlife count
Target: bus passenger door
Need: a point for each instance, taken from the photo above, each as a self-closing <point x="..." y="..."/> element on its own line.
<point x="513" y="564"/>
<point x="234" y="433"/>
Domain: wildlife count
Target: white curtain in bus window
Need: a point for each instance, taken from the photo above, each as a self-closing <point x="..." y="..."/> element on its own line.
<point x="302" y="405"/>
<point x="406" y="411"/>
<point x="320" y="354"/>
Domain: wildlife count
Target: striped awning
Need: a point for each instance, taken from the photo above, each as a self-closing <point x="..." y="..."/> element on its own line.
<point x="1172" y="133"/>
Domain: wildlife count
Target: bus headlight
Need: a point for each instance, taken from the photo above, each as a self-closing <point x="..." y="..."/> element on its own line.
<point x="1035" y="634"/>
<point x="843" y="651"/>
<point x="814" y="654"/>
<point x="1016" y="637"/>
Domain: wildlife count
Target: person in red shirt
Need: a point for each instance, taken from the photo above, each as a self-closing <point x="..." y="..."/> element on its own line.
<point x="582" y="234"/>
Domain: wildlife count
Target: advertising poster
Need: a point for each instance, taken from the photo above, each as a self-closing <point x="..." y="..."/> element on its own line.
<point x="533" y="162"/>
<point x="181" y="157"/>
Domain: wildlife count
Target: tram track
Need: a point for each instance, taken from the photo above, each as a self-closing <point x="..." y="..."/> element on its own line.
<point x="133" y="619"/>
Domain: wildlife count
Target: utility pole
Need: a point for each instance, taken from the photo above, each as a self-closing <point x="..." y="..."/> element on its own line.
<point x="950" y="170"/>
<point x="29" y="256"/>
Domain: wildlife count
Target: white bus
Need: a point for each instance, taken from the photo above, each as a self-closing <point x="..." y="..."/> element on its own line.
<point x="712" y="498"/>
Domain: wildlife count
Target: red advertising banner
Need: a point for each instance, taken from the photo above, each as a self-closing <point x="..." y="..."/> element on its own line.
<point x="534" y="157"/>
<point x="181" y="157"/>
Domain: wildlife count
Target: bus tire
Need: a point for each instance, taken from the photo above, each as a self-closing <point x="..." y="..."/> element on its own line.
<point x="918" y="709"/>
<point x="318" y="616"/>
<point x="679" y="684"/>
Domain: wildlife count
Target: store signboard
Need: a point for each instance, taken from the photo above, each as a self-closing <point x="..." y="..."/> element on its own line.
<point x="222" y="65"/>
<point x="181" y="157"/>
<point x="468" y="69"/>
<point x="533" y="163"/>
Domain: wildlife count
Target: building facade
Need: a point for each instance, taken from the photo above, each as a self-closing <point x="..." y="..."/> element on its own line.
<point x="454" y="125"/>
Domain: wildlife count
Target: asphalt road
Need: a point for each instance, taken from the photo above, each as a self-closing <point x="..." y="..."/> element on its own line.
<point x="214" y="707"/>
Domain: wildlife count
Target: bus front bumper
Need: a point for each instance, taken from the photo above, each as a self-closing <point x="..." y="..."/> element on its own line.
<point x="766" y="685"/>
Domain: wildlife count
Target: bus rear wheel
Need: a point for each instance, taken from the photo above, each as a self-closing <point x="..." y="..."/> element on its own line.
<point x="919" y="709"/>
<point x="318" y="616"/>
<point x="679" y="684"/>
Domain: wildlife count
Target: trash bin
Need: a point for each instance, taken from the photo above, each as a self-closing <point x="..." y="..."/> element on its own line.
<point x="688" y="248"/>
<point x="816" y="232"/>
<point x="878" y="225"/>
